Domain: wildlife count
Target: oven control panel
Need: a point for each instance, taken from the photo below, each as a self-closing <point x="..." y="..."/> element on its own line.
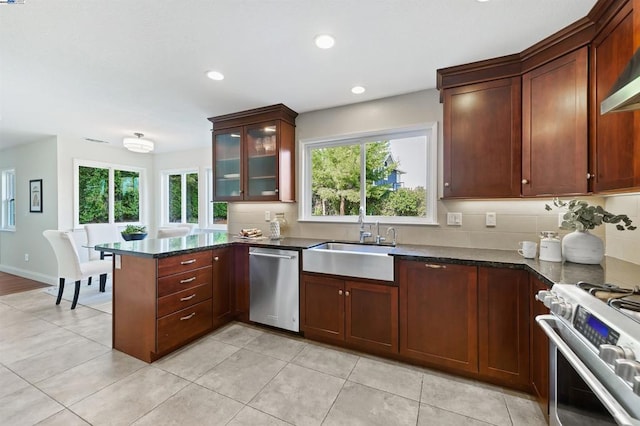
<point x="594" y="330"/>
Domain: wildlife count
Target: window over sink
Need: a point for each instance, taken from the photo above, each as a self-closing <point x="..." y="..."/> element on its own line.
<point x="391" y="174"/>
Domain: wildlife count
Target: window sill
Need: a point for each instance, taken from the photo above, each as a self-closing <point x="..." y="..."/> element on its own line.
<point x="7" y="229"/>
<point x="370" y="221"/>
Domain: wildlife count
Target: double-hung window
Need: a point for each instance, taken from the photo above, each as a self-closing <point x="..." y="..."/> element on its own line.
<point x="8" y="200"/>
<point x="390" y="174"/>
<point x="180" y="196"/>
<point x="107" y="193"/>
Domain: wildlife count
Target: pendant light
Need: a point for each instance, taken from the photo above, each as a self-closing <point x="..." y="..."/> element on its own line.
<point x="138" y="144"/>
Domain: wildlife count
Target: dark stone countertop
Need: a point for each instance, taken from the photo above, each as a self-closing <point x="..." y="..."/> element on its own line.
<point x="611" y="270"/>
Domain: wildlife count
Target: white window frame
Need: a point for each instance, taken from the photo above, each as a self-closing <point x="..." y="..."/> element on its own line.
<point x="210" y="200"/>
<point x="77" y="163"/>
<point x="8" y="216"/>
<point x="165" y="194"/>
<point x="429" y="130"/>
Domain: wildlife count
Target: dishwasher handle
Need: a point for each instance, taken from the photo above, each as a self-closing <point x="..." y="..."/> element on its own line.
<point x="279" y="256"/>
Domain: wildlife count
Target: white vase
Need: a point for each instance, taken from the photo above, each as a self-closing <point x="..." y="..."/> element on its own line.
<point x="582" y="247"/>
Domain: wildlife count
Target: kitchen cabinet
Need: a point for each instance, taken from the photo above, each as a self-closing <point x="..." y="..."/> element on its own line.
<point x="359" y="314"/>
<point x="615" y="153"/>
<point x="554" y="126"/>
<point x="503" y="325"/>
<point x="482" y="148"/>
<point x="254" y="155"/>
<point x="539" y="347"/>
<point x="241" y="281"/>
<point x="439" y="313"/>
<point x="161" y="304"/>
<point x="222" y="288"/>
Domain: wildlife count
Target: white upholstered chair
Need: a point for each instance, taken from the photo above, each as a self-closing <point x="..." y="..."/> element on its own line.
<point x="176" y="231"/>
<point x="101" y="233"/>
<point x="192" y="226"/>
<point x="69" y="265"/>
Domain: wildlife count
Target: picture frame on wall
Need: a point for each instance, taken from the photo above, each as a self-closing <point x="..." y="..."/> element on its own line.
<point x="35" y="196"/>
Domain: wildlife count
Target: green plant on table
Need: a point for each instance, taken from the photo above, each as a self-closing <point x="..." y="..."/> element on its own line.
<point x="582" y="216"/>
<point x="134" y="229"/>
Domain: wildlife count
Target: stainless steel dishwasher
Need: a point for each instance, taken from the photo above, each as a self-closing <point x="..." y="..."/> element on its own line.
<point x="274" y="287"/>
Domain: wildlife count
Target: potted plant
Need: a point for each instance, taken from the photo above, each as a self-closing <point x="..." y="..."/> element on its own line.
<point x="581" y="246"/>
<point x="134" y="232"/>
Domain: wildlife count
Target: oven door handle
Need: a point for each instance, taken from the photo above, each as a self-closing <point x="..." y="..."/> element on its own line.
<point x="616" y="410"/>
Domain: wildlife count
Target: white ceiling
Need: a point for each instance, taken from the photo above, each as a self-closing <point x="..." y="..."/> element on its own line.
<point x="104" y="69"/>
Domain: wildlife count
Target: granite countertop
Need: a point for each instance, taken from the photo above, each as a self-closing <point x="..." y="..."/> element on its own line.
<point x="611" y="270"/>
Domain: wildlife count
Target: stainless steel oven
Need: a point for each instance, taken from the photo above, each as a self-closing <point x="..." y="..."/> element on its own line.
<point x="594" y="360"/>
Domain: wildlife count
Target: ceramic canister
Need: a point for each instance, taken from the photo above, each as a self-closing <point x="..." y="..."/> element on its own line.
<point x="550" y="247"/>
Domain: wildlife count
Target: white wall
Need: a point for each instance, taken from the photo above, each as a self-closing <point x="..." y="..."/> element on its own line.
<point x="36" y="160"/>
<point x="624" y="245"/>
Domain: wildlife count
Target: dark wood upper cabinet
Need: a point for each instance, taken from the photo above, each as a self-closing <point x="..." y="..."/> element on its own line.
<point x="254" y="155"/>
<point x="615" y="154"/>
<point x="482" y="156"/>
<point x="554" y="127"/>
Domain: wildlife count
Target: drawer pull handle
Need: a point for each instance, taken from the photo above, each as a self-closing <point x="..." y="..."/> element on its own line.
<point x="184" y="299"/>
<point x="188" y="317"/>
<point x="188" y="280"/>
<point x="188" y="262"/>
<point x="434" y="266"/>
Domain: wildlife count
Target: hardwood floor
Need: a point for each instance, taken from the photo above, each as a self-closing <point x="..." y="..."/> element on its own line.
<point x="14" y="284"/>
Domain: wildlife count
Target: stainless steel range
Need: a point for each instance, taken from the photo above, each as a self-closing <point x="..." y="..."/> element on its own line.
<point x="594" y="335"/>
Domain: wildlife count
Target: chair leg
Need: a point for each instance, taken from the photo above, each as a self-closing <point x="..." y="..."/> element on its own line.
<point x="60" y="291"/>
<point x="75" y="295"/>
<point x="89" y="281"/>
<point x="103" y="282"/>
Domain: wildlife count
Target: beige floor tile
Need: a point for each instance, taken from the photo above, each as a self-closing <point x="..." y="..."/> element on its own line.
<point x="58" y="359"/>
<point x="388" y="377"/>
<point x="276" y="346"/>
<point x="33" y="299"/>
<point x="79" y="382"/>
<point x="10" y="316"/>
<point x="466" y="398"/>
<point x="242" y="375"/>
<point x="251" y="417"/>
<point x="96" y="328"/>
<point x="325" y="360"/>
<point x="434" y="416"/>
<point x="21" y="348"/>
<point x="196" y="359"/>
<point x="63" y="418"/>
<point x="193" y="405"/>
<point x="28" y="327"/>
<point x="524" y="410"/>
<point x="65" y="317"/>
<point x="361" y="405"/>
<point x="130" y="398"/>
<point x="10" y="382"/>
<point x="298" y="395"/>
<point x="236" y="334"/>
<point x="27" y="406"/>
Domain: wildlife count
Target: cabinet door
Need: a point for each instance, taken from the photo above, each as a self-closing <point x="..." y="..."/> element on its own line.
<point x="503" y="324"/>
<point x="241" y="281"/>
<point x="372" y="316"/>
<point x="261" y="173"/>
<point x="439" y="314"/>
<point x="222" y="294"/>
<point x="227" y="165"/>
<point x="539" y="348"/>
<point x="322" y="307"/>
<point x="614" y="150"/>
<point x="482" y="149"/>
<point x="554" y="127"/>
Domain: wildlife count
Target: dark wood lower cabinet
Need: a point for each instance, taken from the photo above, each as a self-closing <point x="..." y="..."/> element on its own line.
<point x="539" y="348"/>
<point x="223" y="295"/>
<point x="503" y="325"/>
<point x="439" y="313"/>
<point x="359" y="314"/>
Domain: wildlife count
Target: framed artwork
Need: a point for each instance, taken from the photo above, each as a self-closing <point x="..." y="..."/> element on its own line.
<point x="35" y="196"/>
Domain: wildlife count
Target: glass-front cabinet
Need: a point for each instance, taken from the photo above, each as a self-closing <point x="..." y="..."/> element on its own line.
<point x="254" y="155"/>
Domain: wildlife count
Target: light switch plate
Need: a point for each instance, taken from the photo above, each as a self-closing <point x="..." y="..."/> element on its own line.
<point x="490" y="219"/>
<point x="454" y="219"/>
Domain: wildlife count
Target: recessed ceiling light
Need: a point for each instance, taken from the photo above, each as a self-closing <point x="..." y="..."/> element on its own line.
<point x="215" y="75"/>
<point x="357" y="90"/>
<point x="325" y="41"/>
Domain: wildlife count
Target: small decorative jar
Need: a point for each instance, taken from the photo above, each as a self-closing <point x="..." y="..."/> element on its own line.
<point x="277" y="226"/>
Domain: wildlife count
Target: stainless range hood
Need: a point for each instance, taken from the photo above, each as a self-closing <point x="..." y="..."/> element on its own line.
<point x="625" y="93"/>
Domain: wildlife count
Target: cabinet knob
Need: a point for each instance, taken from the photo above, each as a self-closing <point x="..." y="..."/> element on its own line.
<point x="525" y="181"/>
<point x="446" y="184"/>
<point x="590" y="176"/>
<point x="215" y="259"/>
<point x="346" y="293"/>
<point x="340" y="292"/>
<point x="275" y="190"/>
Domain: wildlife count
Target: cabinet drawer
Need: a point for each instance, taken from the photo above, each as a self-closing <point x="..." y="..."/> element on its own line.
<point x="175" y="329"/>
<point x="183" y="299"/>
<point x="185" y="262"/>
<point x="184" y="281"/>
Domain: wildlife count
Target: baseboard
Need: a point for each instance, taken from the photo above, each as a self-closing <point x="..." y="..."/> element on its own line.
<point x="24" y="273"/>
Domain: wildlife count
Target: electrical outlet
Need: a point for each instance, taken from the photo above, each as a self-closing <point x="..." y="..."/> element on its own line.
<point x="454" y="219"/>
<point x="26" y="257"/>
<point x="490" y="219"/>
<point x="267" y="215"/>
